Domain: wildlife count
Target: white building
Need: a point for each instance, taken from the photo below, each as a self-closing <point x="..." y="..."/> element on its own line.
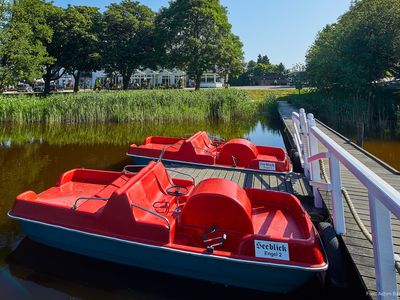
<point x="145" y="78"/>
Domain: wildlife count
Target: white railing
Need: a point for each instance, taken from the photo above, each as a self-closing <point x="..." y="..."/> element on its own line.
<point x="383" y="198"/>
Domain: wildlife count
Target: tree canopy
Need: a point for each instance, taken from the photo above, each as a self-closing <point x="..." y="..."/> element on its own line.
<point x="39" y="39"/>
<point x="24" y="32"/>
<point x="361" y="47"/>
<point x="259" y="68"/>
<point x="82" y="26"/>
<point x="128" y="38"/>
<point x="196" y="36"/>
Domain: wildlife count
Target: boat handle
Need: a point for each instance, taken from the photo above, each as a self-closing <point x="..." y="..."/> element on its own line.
<point x="206" y="150"/>
<point x="182" y="173"/>
<point x="153" y="213"/>
<point x="163" y="151"/>
<point x="125" y="169"/>
<point x="234" y="160"/>
<point x="75" y="206"/>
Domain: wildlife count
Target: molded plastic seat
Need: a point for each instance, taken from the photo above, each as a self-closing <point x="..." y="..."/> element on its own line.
<point x="218" y="202"/>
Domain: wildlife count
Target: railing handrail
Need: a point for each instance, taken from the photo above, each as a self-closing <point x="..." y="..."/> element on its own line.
<point x="75" y="205"/>
<point x="383" y="199"/>
<point x="389" y="196"/>
<point x="154" y="214"/>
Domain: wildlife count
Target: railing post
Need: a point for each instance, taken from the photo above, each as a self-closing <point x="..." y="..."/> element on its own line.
<point x="385" y="271"/>
<point x="336" y="195"/>
<point x="304" y="138"/>
<point x="314" y="167"/>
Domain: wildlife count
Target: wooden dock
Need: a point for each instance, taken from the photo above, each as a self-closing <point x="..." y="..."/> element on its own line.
<point x="294" y="183"/>
<point x="359" y="248"/>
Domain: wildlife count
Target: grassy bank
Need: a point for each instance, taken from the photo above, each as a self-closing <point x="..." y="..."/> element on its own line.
<point x="269" y="94"/>
<point x="128" y="106"/>
<point x="267" y="100"/>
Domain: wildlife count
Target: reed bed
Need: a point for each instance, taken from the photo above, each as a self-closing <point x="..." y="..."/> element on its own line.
<point x="377" y="109"/>
<point x="128" y="106"/>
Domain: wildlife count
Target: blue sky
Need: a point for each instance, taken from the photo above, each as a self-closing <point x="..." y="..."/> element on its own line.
<point x="282" y="29"/>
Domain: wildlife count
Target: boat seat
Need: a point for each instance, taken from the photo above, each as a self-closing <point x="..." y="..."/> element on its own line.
<point x="221" y="203"/>
<point x="107" y="191"/>
<point x="202" y="144"/>
<point x="207" y="142"/>
<point x="148" y="187"/>
<point x="277" y="153"/>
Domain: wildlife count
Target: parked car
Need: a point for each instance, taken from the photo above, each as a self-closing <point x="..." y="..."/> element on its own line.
<point x="24" y="88"/>
<point x="38" y="87"/>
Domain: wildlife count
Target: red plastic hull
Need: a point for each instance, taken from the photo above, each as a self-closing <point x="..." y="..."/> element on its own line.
<point x="215" y="219"/>
<point x="199" y="149"/>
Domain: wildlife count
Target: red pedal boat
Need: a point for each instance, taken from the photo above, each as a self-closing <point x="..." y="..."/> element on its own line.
<point x="199" y="149"/>
<point x="214" y="231"/>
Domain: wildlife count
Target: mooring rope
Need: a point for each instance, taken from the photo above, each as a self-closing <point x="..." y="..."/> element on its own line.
<point x="354" y="212"/>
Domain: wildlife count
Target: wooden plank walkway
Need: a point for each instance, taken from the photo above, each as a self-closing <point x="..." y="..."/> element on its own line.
<point x="357" y="245"/>
<point x="294" y="183"/>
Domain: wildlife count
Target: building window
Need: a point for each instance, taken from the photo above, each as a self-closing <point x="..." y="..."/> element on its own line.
<point x="165" y="80"/>
<point x="210" y="79"/>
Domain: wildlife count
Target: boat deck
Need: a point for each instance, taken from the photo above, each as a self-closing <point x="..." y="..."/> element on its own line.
<point x="359" y="248"/>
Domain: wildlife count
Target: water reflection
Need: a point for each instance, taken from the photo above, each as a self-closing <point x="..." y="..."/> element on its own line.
<point x="33" y="158"/>
<point x="382" y="142"/>
<point x="123" y="134"/>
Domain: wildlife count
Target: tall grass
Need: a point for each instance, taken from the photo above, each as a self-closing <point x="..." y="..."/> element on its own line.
<point x="128" y="106"/>
<point x="267" y="100"/>
<point x="378" y="110"/>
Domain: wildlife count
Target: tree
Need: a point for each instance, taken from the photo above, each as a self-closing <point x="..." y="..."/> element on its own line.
<point x="128" y="38"/>
<point x="196" y="37"/>
<point x="280" y="69"/>
<point x="23" y="31"/>
<point x="56" y="47"/>
<point x="263" y="59"/>
<point x="82" y="27"/>
<point x="297" y="75"/>
<point x="232" y="58"/>
<point x="360" y="48"/>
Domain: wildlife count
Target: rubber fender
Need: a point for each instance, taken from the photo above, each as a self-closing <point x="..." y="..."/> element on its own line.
<point x="295" y="158"/>
<point x="336" y="274"/>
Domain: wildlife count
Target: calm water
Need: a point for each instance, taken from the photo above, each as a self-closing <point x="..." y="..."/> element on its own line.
<point x="33" y="158"/>
<point x="384" y="143"/>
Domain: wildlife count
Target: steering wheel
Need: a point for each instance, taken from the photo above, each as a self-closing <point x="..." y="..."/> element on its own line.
<point x="177" y="190"/>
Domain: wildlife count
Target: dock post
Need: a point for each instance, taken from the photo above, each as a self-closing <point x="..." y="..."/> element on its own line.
<point x="385" y="271"/>
<point x="336" y="195"/>
<point x="304" y="138"/>
<point x="314" y="167"/>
